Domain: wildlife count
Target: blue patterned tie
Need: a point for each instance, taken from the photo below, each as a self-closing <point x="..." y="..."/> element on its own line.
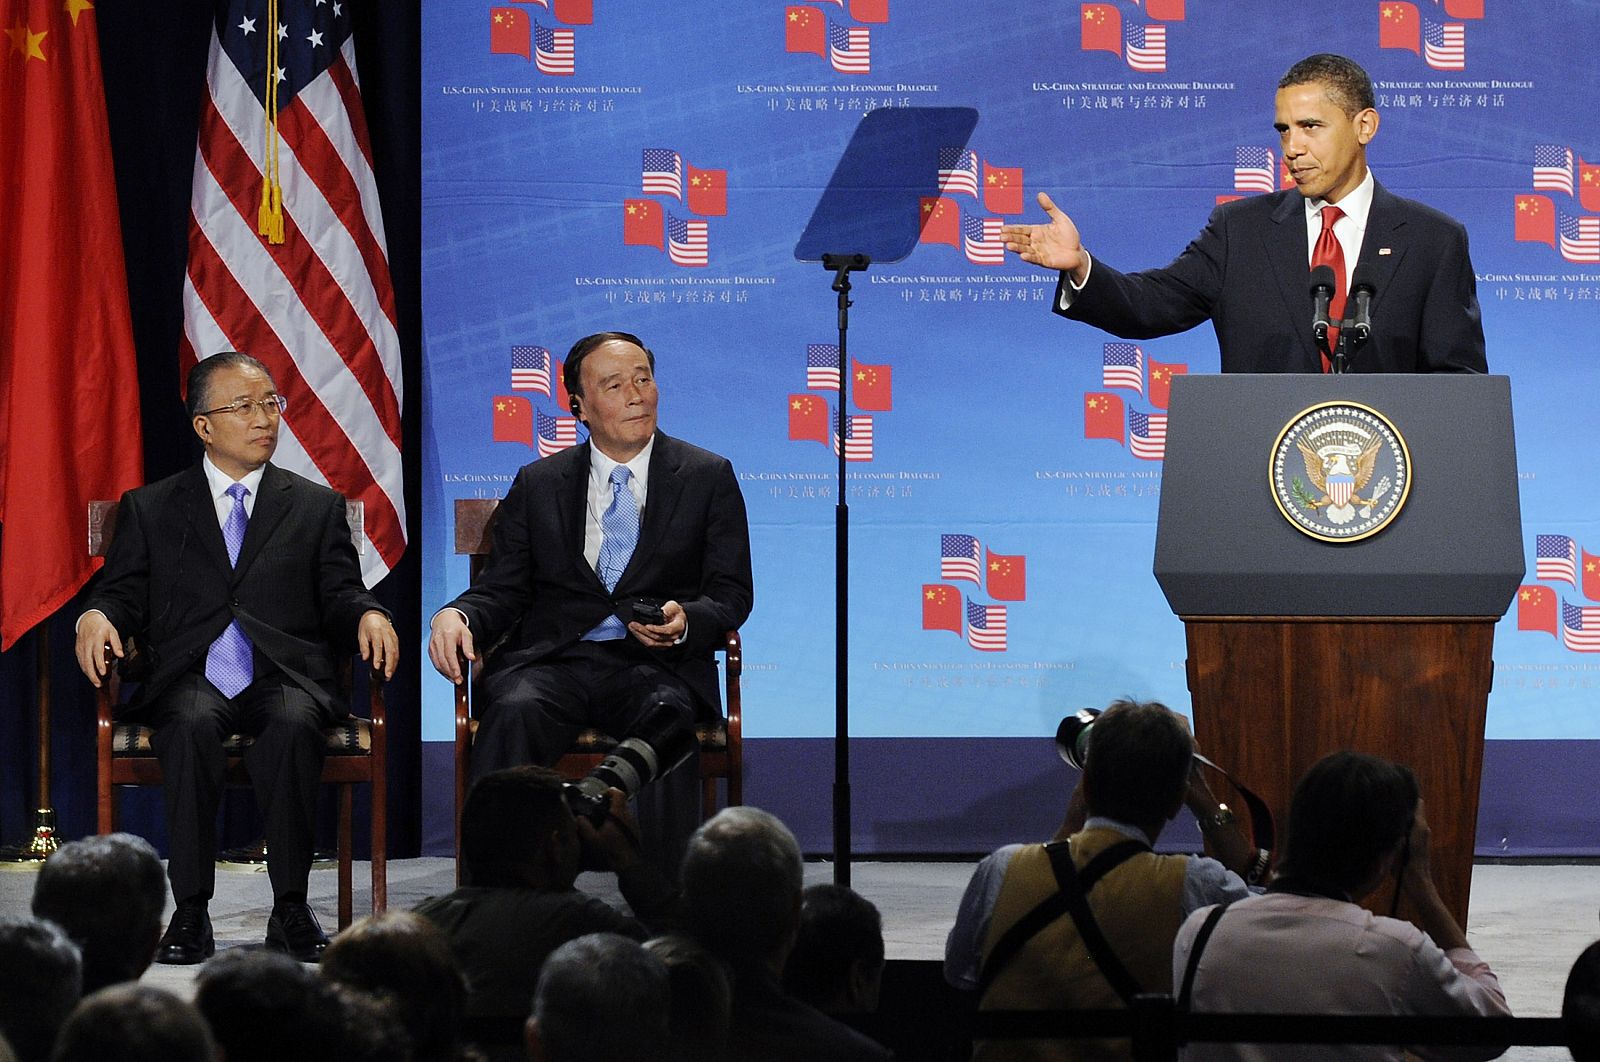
<point x="228" y="662"/>
<point x="619" y="533"/>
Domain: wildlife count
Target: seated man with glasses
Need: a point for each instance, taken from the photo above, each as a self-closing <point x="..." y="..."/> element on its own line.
<point x="242" y="588"/>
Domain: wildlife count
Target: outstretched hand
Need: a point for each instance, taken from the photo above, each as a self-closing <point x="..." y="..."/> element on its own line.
<point x="1054" y="245"/>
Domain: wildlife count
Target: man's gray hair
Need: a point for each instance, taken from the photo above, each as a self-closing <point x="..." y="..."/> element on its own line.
<point x="742" y="877"/>
<point x="602" y="998"/>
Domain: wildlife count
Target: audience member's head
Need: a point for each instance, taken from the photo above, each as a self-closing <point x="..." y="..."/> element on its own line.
<point x="601" y="998"/>
<point x="702" y="999"/>
<point x="265" y="1007"/>
<point x="837" y="961"/>
<point x="107" y="892"/>
<point x="6" y="1054"/>
<point x="135" y="1023"/>
<point x="1580" y="1006"/>
<point x="41" y="978"/>
<point x="516" y="831"/>
<point x="1137" y="769"/>
<point x="1349" y="819"/>
<point x="404" y="958"/>
<point x="374" y="1028"/>
<point x="741" y="886"/>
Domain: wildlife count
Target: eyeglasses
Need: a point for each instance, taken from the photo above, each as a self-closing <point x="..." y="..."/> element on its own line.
<point x="273" y="406"/>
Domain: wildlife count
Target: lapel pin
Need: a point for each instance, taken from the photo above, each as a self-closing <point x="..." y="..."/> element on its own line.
<point x="1384" y="250"/>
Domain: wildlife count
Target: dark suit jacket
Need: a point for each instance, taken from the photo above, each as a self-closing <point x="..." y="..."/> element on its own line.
<point x="539" y="594"/>
<point x="296" y="591"/>
<point x="1248" y="272"/>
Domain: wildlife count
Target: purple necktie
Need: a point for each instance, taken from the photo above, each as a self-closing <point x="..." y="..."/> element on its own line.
<point x="228" y="663"/>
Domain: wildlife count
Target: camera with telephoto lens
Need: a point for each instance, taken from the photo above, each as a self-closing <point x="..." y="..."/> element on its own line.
<point x="658" y="743"/>
<point x="1072" y="736"/>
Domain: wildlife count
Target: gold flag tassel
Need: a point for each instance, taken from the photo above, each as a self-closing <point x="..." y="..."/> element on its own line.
<point x="269" y="218"/>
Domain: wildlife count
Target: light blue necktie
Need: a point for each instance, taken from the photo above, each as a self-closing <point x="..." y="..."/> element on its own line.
<point x="229" y="665"/>
<point x="619" y="534"/>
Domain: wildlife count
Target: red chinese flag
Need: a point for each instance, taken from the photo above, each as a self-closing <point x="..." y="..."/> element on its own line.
<point x="1007" y="576"/>
<point x="1285" y="178"/>
<point x="872" y="386"/>
<point x="1589" y="186"/>
<point x="577" y="12"/>
<point x="1161" y="375"/>
<point x="1536" y="219"/>
<point x="1102" y="29"/>
<point x="643" y="223"/>
<point x="513" y="419"/>
<point x="941" y="221"/>
<point x="805" y="30"/>
<point x="869" y="10"/>
<point x="1536" y="610"/>
<point x="1227" y="199"/>
<point x="1165" y="10"/>
<point x="1399" y="26"/>
<point x="1464" y="8"/>
<point x="809" y="419"/>
<point x="1103" y="416"/>
<point x="557" y="376"/>
<point x="510" y="32"/>
<point x="1591" y="576"/>
<point x="69" y="386"/>
<point x="941" y="608"/>
<point x="708" y="192"/>
<point x="1002" y="189"/>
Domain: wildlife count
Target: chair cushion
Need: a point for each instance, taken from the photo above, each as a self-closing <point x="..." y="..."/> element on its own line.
<point x="352" y="737"/>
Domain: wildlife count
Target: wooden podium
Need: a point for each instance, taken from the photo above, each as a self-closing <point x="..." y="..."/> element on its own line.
<point x="1298" y="647"/>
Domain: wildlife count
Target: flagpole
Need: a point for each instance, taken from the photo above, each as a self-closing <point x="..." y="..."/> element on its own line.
<point x="44" y="840"/>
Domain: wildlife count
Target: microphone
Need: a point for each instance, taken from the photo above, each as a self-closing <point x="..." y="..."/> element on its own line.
<point x="1361" y="295"/>
<point x="1322" y="287"/>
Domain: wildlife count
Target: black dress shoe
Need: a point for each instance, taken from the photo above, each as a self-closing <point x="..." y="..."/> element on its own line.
<point x="294" y="929"/>
<point x="188" y="937"/>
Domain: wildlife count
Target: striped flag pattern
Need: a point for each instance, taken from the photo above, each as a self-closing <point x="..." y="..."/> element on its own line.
<point x="986" y="627"/>
<point x="553" y="50"/>
<point x="1552" y="168"/>
<point x="530" y="369"/>
<point x="850" y="48"/>
<point x="687" y="242"/>
<point x="958" y="557"/>
<point x="981" y="239"/>
<point x="1253" y="170"/>
<point x="1555" y="557"/>
<point x="1580" y="628"/>
<point x="554" y="434"/>
<point x="958" y="171"/>
<point x="1147" y="434"/>
<point x="1444" y="45"/>
<point x="1122" y="365"/>
<point x="1146" y="48"/>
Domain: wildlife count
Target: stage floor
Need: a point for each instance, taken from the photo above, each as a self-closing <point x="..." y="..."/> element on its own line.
<point x="1529" y="921"/>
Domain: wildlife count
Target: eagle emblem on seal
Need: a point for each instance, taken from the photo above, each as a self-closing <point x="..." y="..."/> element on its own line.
<point x="1340" y="471"/>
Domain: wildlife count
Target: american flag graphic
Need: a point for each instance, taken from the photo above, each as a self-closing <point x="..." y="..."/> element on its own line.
<point x="1254" y="170"/>
<point x="552" y="50"/>
<point x="850" y="48"/>
<point x="1552" y="168"/>
<point x="530" y="369"/>
<point x="687" y="244"/>
<point x="1580" y="628"/>
<point x="1122" y="365"/>
<point x="986" y="627"/>
<point x="857" y="437"/>
<point x="1147" y="434"/>
<point x="981" y="237"/>
<point x="317" y="306"/>
<point x="1555" y="557"/>
<point x="959" y="557"/>
<point x="1444" y="45"/>
<point x="822" y="366"/>
<point x="554" y="434"/>
<point x="958" y="171"/>
<point x="1580" y="238"/>
<point x="1146" y="47"/>
<point x="663" y="172"/>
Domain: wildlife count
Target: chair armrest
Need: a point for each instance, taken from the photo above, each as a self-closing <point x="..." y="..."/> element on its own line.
<point x="733" y="666"/>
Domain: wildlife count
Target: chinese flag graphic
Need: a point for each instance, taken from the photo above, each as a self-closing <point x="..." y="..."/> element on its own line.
<point x="872" y="386"/>
<point x="513" y="419"/>
<point x="1227" y="198"/>
<point x="1165" y="10"/>
<point x="869" y="10"/>
<point x="1399" y="26"/>
<point x="510" y="32"/>
<point x="1002" y="189"/>
<point x="1102" y="29"/>
<point x="1536" y="219"/>
<point x="1161" y="375"/>
<point x="1591" y="576"/>
<point x="808" y="418"/>
<point x="643" y="223"/>
<point x="563" y="400"/>
<point x="1464" y="8"/>
<point x="707" y="192"/>
<point x="1007" y="576"/>
<point x="1536" y="610"/>
<point x="1589" y="186"/>
<point x="941" y="608"/>
<point x="576" y="12"/>
<point x="805" y="30"/>
<point x="941" y="221"/>
<point x="1103" y="417"/>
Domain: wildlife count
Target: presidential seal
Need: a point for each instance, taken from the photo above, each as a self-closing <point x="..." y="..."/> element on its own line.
<point x="1340" y="471"/>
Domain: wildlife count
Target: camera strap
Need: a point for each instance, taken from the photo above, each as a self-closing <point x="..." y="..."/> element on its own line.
<point x="1070" y="898"/>
<point x="1186" y="993"/>
<point x="1261" y="825"/>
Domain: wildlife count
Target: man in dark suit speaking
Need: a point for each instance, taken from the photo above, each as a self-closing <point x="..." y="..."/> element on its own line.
<point x="241" y="585"/>
<point x="633" y="516"/>
<point x="1248" y="270"/>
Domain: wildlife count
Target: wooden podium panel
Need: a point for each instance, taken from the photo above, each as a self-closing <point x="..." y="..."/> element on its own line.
<point x="1272" y="695"/>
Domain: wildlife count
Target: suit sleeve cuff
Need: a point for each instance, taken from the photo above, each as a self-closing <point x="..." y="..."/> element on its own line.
<point x="1068" y="289"/>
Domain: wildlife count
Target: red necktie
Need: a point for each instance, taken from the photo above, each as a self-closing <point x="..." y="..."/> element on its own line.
<point x="1328" y="253"/>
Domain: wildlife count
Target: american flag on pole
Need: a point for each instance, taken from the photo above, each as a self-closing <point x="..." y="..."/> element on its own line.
<point x="1253" y="170"/>
<point x="530" y="369"/>
<point x="1122" y="365"/>
<point x="986" y="627"/>
<point x="663" y="172"/>
<point x="1580" y="238"/>
<point x="959" y="557"/>
<point x="981" y="238"/>
<point x="1444" y="45"/>
<point x="850" y="48"/>
<point x="857" y="437"/>
<point x="822" y="366"/>
<point x="311" y="297"/>
<point x="1147" y="434"/>
<point x="1552" y="168"/>
<point x="1580" y="628"/>
<point x="1555" y="557"/>
<point x="687" y="242"/>
<point x="554" y="433"/>
<point x="1146" y="47"/>
<point x="958" y="171"/>
<point x="553" y="50"/>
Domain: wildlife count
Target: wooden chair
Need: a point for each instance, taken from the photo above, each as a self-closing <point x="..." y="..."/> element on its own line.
<point x="357" y="749"/>
<point x="721" y="741"/>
